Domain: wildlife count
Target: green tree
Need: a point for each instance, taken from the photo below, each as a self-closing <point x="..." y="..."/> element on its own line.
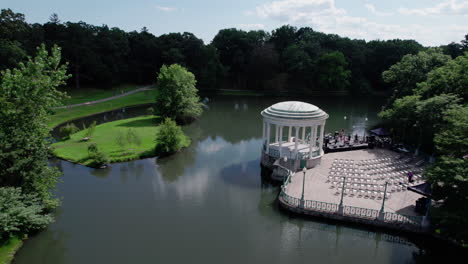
<point x="120" y="139"/>
<point x="451" y="78"/>
<point x="177" y="97"/>
<point x="332" y="71"/>
<point x="449" y="175"/>
<point x="27" y="96"/>
<point x="412" y="69"/>
<point x="90" y="130"/>
<point x="21" y="213"/>
<point x="67" y="130"/>
<point x="169" y="137"/>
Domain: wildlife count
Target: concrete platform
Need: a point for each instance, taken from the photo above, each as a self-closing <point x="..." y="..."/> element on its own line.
<point x="317" y="188"/>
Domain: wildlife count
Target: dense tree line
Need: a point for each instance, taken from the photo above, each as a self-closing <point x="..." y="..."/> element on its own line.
<point x="287" y="59"/>
<point x="429" y="111"/>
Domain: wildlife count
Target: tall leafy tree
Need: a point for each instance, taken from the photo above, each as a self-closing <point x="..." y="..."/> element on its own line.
<point x="412" y="69"/>
<point x="178" y="97"/>
<point x="27" y="95"/>
<point x="332" y="71"/>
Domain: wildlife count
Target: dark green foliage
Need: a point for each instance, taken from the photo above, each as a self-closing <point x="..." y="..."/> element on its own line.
<point x="90" y="130"/>
<point x="332" y="71"/>
<point x="27" y="95"/>
<point x="177" y="96"/>
<point x="169" y="137"/>
<point x="99" y="159"/>
<point x="120" y="139"/>
<point x="150" y="111"/>
<point x="68" y="129"/>
<point x="133" y="138"/>
<point x="92" y="148"/>
<point x="284" y="59"/>
<point x="21" y="213"/>
<point x="434" y="116"/>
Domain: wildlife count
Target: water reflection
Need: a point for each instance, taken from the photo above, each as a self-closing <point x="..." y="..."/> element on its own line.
<point x="210" y="201"/>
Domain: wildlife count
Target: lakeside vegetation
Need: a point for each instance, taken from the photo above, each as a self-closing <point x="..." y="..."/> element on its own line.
<point x="112" y="139"/>
<point x="88" y="94"/>
<point x="287" y="59"/>
<point x="429" y="111"/>
<point x="68" y="114"/>
<point x="28" y="94"/>
<point x="8" y="249"/>
<point x="428" y="107"/>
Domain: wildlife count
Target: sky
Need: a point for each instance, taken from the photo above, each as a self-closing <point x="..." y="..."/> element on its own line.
<point x="430" y="22"/>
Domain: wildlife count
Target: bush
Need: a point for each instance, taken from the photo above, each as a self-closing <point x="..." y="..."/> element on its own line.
<point x="67" y="130"/>
<point x="169" y="137"/>
<point x="90" y="131"/>
<point x="133" y="138"/>
<point x="150" y="111"/>
<point x="120" y="139"/>
<point x="92" y="148"/>
<point x="20" y="213"/>
<point x="99" y="159"/>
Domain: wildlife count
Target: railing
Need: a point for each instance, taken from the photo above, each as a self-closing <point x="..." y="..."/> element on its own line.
<point x="361" y="212"/>
<point x="293" y="201"/>
<point x="321" y="206"/>
<point x="351" y="211"/>
<point x="402" y="219"/>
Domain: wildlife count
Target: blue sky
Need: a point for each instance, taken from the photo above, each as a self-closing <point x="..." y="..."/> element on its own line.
<point x="431" y="22"/>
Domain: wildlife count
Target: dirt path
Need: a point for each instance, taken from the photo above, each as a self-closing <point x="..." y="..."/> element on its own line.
<point x="145" y="88"/>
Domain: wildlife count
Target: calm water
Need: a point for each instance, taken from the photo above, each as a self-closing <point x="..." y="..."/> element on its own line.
<point x="206" y="204"/>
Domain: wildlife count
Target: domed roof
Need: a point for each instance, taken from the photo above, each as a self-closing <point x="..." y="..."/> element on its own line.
<point x="295" y="110"/>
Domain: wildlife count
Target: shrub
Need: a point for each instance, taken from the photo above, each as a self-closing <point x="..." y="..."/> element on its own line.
<point x="120" y="139"/>
<point x="90" y="131"/>
<point x="133" y="138"/>
<point x="20" y="213"/>
<point x="169" y="137"/>
<point x="92" y="148"/>
<point x="99" y="159"/>
<point x="150" y="111"/>
<point x="67" y="130"/>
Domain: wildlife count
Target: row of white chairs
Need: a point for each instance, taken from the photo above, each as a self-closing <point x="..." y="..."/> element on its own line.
<point x="363" y="193"/>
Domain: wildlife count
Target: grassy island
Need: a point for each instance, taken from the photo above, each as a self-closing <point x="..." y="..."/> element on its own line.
<point x="106" y="137"/>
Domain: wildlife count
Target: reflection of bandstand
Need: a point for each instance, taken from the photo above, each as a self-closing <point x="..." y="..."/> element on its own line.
<point x="297" y="137"/>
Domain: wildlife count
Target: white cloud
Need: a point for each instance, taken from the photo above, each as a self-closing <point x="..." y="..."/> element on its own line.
<point x="323" y="15"/>
<point x="295" y="10"/>
<point x="251" y="26"/>
<point x="374" y="11"/>
<point x="447" y="7"/>
<point x="165" y="8"/>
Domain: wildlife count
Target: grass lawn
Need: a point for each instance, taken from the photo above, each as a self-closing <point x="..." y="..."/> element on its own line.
<point x="8" y="250"/>
<point x="105" y="136"/>
<point x="64" y="115"/>
<point x="92" y="94"/>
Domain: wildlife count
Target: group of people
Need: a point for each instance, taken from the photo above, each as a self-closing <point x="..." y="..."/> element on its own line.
<point x="341" y="138"/>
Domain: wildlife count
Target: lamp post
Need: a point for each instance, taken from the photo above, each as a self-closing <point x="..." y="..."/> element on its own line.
<point x="341" y="207"/>
<point x="304" y="170"/>
<point x="382" y="213"/>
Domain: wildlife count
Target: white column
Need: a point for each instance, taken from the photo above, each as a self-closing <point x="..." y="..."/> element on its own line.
<point x="280" y="139"/>
<point x="322" y="130"/>
<point x="263" y="131"/>
<point x="289" y="133"/>
<point x="277" y="133"/>
<point x="303" y="133"/>
<point x="311" y="141"/>
<point x="268" y="138"/>
<point x="315" y="135"/>
<point x="296" y="139"/>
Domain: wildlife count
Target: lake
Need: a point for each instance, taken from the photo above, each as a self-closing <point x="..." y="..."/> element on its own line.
<point x="209" y="203"/>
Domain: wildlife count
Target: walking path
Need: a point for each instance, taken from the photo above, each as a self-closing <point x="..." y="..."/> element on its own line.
<point x="145" y="88"/>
